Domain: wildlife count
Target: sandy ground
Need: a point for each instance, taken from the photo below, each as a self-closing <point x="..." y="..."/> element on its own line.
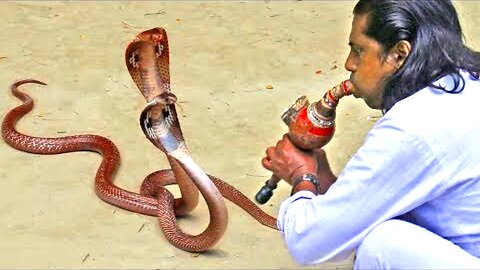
<point x="223" y="55"/>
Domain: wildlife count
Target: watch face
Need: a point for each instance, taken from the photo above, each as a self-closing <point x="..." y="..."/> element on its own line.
<point x="312" y="178"/>
<point x="309" y="177"/>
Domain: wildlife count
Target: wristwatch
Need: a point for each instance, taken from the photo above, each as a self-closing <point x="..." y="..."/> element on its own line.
<point x="312" y="178"/>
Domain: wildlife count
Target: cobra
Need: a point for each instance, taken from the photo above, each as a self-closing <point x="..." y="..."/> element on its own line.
<point x="147" y="60"/>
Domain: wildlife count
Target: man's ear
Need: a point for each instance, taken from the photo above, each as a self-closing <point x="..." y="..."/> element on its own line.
<point x="398" y="53"/>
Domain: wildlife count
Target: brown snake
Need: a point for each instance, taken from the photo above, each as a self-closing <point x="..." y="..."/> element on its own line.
<point x="147" y="59"/>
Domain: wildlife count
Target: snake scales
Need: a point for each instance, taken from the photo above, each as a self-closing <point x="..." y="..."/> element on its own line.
<point x="147" y="60"/>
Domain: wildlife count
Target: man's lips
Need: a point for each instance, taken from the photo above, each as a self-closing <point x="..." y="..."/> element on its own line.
<point x="354" y="90"/>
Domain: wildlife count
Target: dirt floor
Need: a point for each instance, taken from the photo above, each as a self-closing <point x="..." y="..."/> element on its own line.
<point x="223" y="56"/>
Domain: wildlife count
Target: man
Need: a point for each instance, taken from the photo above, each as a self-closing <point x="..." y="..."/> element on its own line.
<point x="410" y="196"/>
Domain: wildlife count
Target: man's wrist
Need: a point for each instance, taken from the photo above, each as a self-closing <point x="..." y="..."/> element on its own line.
<point x="306" y="181"/>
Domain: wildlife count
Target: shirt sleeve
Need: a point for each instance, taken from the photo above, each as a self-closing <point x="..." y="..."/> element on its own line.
<point x="392" y="173"/>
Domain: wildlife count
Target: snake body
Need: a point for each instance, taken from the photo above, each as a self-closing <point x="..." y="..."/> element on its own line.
<point x="147" y="59"/>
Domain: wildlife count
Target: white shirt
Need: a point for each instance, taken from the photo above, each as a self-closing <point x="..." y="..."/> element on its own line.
<point x="421" y="157"/>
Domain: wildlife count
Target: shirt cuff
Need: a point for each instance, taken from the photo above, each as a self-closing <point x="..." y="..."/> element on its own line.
<point x="299" y="196"/>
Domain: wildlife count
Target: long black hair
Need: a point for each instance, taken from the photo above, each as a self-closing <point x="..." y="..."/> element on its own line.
<point x="438" y="48"/>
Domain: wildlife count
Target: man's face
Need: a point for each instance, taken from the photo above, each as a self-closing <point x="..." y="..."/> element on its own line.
<point x="367" y="65"/>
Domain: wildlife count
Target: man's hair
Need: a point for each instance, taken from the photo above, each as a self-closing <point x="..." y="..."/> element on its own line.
<point x="438" y="48"/>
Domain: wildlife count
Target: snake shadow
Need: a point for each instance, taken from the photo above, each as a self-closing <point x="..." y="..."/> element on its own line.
<point x="215" y="253"/>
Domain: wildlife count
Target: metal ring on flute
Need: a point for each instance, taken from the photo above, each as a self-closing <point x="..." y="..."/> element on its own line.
<point x="316" y="118"/>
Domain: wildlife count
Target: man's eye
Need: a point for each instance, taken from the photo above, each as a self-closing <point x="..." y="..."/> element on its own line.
<point x="355" y="51"/>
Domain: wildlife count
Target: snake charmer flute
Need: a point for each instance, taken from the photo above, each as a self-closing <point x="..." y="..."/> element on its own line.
<point x="310" y="126"/>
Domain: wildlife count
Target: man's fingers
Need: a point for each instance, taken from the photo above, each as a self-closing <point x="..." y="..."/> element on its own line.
<point x="270" y="152"/>
<point x="267" y="163"/>
<point x="286" y="142"/>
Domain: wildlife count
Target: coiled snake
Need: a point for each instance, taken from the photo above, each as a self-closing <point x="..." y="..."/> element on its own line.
<point x="147" y="59"/>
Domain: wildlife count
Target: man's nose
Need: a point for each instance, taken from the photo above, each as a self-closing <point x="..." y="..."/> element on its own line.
<point x="349" y="64"/>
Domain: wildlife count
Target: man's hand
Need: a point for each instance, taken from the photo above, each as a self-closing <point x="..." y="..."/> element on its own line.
<point x="288" y="161"/>
<point x="324" y="173"/>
